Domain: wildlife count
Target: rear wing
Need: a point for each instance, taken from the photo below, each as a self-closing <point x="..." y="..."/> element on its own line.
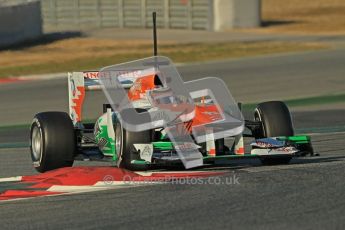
<point x="80" y="82"/>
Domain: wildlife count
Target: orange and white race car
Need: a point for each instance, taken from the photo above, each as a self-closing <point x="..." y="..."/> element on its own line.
<point x="154" y="118"/>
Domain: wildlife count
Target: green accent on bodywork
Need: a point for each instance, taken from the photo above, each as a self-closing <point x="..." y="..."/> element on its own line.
<point x="140" y="162"/>
<point x="301" y="139"/>
<point x="163" y="145"/>
<point x="108" y="148"/>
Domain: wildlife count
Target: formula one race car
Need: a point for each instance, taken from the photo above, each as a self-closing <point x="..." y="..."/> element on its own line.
<point x="186" y="122"/>
<point x="57" y="139"/>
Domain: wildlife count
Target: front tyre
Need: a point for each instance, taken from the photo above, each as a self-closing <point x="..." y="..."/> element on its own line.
<point x="276" y="121"/>
<point x="52" y="141"/>
<point x="124" y="144"/>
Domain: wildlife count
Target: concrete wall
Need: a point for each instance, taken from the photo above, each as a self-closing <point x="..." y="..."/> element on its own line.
<point x="79" y="14"/>
<point x="19" y="22"/>
<point x="228" y="14"/>
<point x="246" y="13"/>
<point x="181" y="14"/>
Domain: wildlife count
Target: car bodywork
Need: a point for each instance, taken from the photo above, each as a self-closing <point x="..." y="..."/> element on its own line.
<point x="97" y="140"/>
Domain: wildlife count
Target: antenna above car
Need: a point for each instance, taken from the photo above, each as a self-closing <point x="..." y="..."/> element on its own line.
<point x="154" y="33"/>
<point x="156" y="62"/>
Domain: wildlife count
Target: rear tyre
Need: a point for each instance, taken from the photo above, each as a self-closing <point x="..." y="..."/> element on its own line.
<point x="124" y="141"/>
<point x="276" y="121"/>
<point x="53" y="141"/>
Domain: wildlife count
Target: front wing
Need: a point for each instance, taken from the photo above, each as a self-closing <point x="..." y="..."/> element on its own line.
<point x="163" y="152"/>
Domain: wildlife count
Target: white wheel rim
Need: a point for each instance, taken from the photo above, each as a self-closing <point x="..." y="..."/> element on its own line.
<point x="36" y="143"/>
<point x="118" y="140"/>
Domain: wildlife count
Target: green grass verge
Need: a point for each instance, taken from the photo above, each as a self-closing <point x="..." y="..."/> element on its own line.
<point x="48" y="60"/>
<point x="318" y="100"/>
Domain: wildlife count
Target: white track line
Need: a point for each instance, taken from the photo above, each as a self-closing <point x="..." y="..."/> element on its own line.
<point x="11" y="179"/>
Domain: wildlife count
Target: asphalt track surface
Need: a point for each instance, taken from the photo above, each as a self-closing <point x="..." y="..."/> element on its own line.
<point x="307" y="194"/>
